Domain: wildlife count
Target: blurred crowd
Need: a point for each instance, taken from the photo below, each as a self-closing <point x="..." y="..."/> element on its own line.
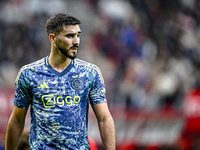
<point x="148" y="50"/>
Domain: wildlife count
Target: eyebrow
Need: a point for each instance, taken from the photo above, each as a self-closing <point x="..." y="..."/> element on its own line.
<point x="79" y="32"/>
<point x="73" y="33"/>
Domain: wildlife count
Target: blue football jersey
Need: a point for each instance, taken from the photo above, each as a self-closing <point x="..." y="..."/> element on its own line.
<point x="59" y="102"/>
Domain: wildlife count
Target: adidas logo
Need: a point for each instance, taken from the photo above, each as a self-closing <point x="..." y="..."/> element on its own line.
<point x="43" y="85"/>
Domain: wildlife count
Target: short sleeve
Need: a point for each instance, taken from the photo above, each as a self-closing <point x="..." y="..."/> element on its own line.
<point x="98" y="92"/>
<point x="22" y="93"/>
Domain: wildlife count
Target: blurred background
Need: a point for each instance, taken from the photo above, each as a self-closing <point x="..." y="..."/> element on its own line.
<point x="148" y="52"/>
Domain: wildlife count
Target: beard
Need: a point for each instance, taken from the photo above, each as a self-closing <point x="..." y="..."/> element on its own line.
<point x="66" y="51"/>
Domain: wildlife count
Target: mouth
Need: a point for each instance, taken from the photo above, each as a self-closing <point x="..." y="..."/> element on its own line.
<point x="74" y="49"/>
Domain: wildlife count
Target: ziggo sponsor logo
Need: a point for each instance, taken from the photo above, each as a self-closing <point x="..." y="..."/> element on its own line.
<point x="52" y="100"/>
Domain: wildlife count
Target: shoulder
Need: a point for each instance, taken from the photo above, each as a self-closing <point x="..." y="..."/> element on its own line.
<point x="91" y="69"/>
<point x="27" y="69"/>
<point x="86" y="65"/>
<point x="35" y="64"/>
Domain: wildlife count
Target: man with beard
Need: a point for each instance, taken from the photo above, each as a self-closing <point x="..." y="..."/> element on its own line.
<point x="57" y="88"/>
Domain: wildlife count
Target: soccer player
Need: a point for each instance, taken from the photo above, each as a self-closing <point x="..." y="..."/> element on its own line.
<point x="58" y="89"/>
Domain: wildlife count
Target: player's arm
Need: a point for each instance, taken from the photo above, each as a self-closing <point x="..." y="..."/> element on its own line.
<point x="106" y="125"/>
<point x="15" y="127"/>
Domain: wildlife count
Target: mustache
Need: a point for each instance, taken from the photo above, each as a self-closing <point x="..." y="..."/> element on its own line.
<point x="75" y="46"/>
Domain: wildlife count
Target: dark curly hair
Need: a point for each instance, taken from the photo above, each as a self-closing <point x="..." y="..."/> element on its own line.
<point x="55" y="24"/>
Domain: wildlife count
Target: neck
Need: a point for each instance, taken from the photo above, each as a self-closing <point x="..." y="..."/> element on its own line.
<point x="59" y="63"/>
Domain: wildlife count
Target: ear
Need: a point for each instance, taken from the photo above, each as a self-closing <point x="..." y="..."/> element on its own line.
<point x="52" y="38"/>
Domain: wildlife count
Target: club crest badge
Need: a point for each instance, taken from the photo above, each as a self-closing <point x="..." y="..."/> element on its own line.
<point x="77" y="84"/>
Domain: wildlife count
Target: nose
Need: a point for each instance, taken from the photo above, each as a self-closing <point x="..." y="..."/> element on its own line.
<point x="76" y="40"/>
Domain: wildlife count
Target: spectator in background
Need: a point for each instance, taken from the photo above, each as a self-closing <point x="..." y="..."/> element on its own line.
<point x="190" y="137"/>
<point x="92" y="143"/>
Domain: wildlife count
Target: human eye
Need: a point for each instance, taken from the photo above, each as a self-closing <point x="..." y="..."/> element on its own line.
<point x="78" y="35"/>
<point x="70" y="35"/>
